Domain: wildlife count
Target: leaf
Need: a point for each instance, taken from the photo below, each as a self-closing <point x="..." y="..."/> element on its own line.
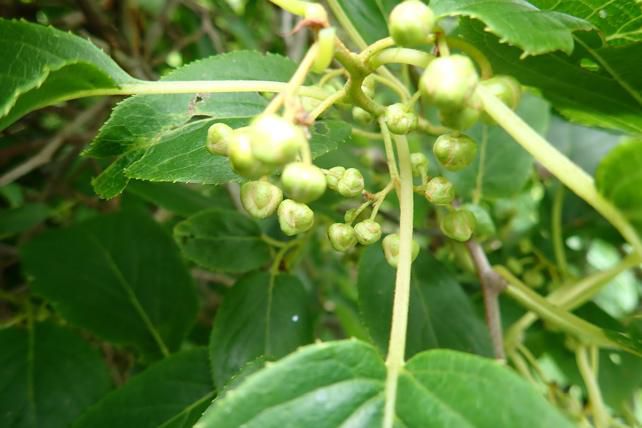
<point x="342" y="384"/>
<point x="440" y="314"/>
<point x="618" y="21"/>
<point x="48" y="376"/>
<point x="368" y="17"/>
<point x="507" y="166"/>
<point x="180" y="199"/>
<point x="593" y="86"/>
<point x="48" y="66"/>
<point x="143" y="121"/>
<point x="518" y="23"/>
<point x="619" y="179"/>
<point x="261" y="316"/>
<point x="222" y="240"/>
<point x="172" y="392"/>
<point x="19" y="219"/>
<point x="584" y="146"/>
<point x="118" y="275"/>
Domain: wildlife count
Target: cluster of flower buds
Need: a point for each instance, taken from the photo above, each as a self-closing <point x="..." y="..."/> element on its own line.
<point x="343" y="236"/>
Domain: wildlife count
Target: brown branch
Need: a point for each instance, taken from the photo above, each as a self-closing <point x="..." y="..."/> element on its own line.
<point x="492" y="285"/>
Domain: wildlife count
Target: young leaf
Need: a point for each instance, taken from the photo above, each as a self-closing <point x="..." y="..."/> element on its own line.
<point x="619" y="179"/>
<point x="48" y="376"/>
<point x="173" y="392"/>
<point x="118" y="275"/>
<point x="507" y="167"/>
<point x="51" y="66"/>
<point x="593" y="86"/>
<point x="518" y="23"/>
<point x="342" y="384"/>
<point x="440" y="316"/>
<point x="223" y="241"/>
<point x="261" y="316"/>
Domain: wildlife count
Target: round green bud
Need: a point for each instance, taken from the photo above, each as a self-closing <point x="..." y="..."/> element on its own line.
<point x="419" y="163"/>
<point x="275" y="140"/>
<point x="439" y="191"/>
<point x="333" y="176"/>
<point x="410" y="23"/>
<point x="454" y="151"/>
<point x="217" y="138"/>
<point x="449" y="81"/>
<point x="390" y="246"/>
<point x="506" y="88"/>
<point x="260" y="198"/>
<point x="484" y="226"/>
<point x="351" y="183"/>
<point x="368" y="232"/>
<point x="368" y="86"/>
<point x="400" y="119"/>
<point x="326" y="40"/>
<point x="534" y="278"/>
<point x="361" y="116"/>
<point x="294" y="217"/>
<point x="458" y="225"/>
<point x="315" y="12"/>
<point x="303" y="182"/>
<point x="462" y="119"/>
<point x="242" y="158"/>
<point x="342" y="236"/>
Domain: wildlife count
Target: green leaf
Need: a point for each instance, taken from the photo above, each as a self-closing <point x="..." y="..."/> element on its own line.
<point x="342" y="384"/>
<point x="19" y="219"/>
<point x="119" y="275"/>
<point x="180" y="199"/>
<point x="222" y="240"/>
<point x="51" y="66"/>
<point x="261" y="316"/>
<point x="618" y="21"/>
<point x="518" y="23"/>
<point x="368" y="17"/>
<point x="619" y="179"/>
<point x="593" y="86"/>
<point x="173" y="392"/>
<point x="440" y="314"/>
<point x="143" y="121"/>
<point x="507" y="167"/>
<point x="48" y="376"/>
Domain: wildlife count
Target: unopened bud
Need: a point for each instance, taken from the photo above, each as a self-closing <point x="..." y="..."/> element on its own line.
<point x="400" y="119"/>
<point x="455" y="151"/>
<point x="333" y="176"/>
<point x="458" y="225"/>
<point x="391" y="249"/>
<point x="260" y="198"/>
<point x="351" y="183"/>
<point x="449" y="81"/>
<point x="294" y="217"/>
<point x="303" y="182"/>
<point x="275" y="140"/>
<point x="217" y="138"/>
<point x="242" y="158"/>
<point x="419" y="163"/>
<point x="439" y="191"/>
<point x="368" y="232"/>
<point x="342" y="236"/>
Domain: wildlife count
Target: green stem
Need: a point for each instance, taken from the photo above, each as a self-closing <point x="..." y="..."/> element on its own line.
<point x="548" y="312"/>
<point x="390" y="153"/>
<point x="559" y="165"/>
<point x="401" y="56"/>
<point x="600" y="416"/>
<point x="397" y="344"/>
<point x="479" y="182"/>
<point x="556" y="232"/>
<point x="326" y="104"/>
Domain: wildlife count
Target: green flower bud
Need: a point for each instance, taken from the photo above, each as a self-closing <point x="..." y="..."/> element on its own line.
<point x="333" y="176"/>
<point x="439" y="191"/>
<point x="410" y="23"/>
<point x="260" y="198"/>
<point x="400" y="119"/>
<point x="275" y="140"/>
<point x="419" y="163"/>
<point x="368" y="86"/>
<point x="361" y="116"/>
<point x="303" y="182"/>
<point x="242" y="158"/>
<point x="391" y="249"/>
<point x="368" y="232"/>
<point x="315" y="12"/>
<point x="506" y="88"/>
<point x="449" y="81"/>
<point x="326" y="41"/>
<point x="342" y="236"/>
<point x="460" y="119"/>
<point x="294" y="217"/>
<point x="458" y="225"/>
<point x="351" y="183"/>
<point x="454" y="151"/>
<point x="217" y="138"/>
<point x="534" y="278"/>
<point x="484" y="226"/>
